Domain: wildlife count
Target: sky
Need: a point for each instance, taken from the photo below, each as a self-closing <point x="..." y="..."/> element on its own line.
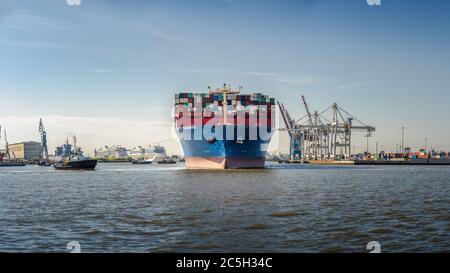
<point x="107" y="70"/>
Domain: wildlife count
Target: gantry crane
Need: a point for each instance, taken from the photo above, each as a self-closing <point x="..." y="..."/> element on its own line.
<point x="8" y="155"/>
<point x="1" y="154"/>
<point x="323" y="138"/>
<point x="295" y="150"/>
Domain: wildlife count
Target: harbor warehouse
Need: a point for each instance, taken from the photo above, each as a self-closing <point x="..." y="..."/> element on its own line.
<point x="25" y="150"/>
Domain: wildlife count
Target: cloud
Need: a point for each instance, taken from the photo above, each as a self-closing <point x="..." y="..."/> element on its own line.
<point x="267" y="75"/>
<point x="159" y="33"/>
<point x="73" y="2"/>
<point x="6" y="9"/>
<point x="23" y="20"/>
<point x="302" y="80"/>
<point x="29" y="44"/>
<point x="147" y="25"/>
<point x="250" y="73"/>
<point x="99" y="70"/>
<point x="259" y="74"/>
<point x="353" y="85"/>
<point x="142" y="26"/>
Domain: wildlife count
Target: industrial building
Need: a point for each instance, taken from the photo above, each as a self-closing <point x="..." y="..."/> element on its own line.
<point x="30" y="150"/>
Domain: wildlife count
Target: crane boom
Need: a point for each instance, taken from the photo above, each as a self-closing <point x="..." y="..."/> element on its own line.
<point x="295" y="138"/>
<point x="288" y="121"/>
<point x="6" y="144"/>
<point x="307" y="110"/>
<point x="286" y="118"/>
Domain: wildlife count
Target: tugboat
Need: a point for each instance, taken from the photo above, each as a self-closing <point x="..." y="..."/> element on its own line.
<point x="142" y="161"/>
<point x="75" y="160"/>
<point x="167" y="160"/>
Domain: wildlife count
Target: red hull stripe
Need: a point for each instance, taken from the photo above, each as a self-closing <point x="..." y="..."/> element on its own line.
<point x="225" y="163"/>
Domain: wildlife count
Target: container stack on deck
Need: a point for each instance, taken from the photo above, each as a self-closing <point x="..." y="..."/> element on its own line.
<point x="212" y="106"/>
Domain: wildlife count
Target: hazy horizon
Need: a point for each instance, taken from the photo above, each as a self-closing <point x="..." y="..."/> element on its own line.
<point x="107" y="71"/>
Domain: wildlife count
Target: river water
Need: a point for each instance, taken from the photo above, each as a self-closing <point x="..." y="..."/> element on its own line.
<point x="161" y="208"/>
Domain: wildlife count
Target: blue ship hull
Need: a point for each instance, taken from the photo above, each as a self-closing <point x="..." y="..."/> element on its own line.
<point x="210" y="152"/>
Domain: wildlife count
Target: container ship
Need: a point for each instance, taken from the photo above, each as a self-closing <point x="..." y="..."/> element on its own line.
<point x="224" y="129"/>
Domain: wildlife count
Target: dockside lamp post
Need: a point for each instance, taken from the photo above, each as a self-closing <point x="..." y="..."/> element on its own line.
<point x="403" y="140"/>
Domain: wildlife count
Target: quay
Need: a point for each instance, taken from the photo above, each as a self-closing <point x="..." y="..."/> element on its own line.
<point x="415" y="162"/>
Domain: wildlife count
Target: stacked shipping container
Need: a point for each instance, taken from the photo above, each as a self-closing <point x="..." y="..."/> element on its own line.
<point x="256" y="107"/>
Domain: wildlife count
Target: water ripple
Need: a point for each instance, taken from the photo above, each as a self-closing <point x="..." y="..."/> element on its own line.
<point x="127" y="208"/>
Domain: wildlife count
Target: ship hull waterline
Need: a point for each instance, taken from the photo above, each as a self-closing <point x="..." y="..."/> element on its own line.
<point x="12" y="164"/>
<point x="225" y="163"/>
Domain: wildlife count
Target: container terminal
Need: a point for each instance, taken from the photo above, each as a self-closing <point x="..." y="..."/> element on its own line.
<point x="326" y="138"/>
<point x="323" y="138"/>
